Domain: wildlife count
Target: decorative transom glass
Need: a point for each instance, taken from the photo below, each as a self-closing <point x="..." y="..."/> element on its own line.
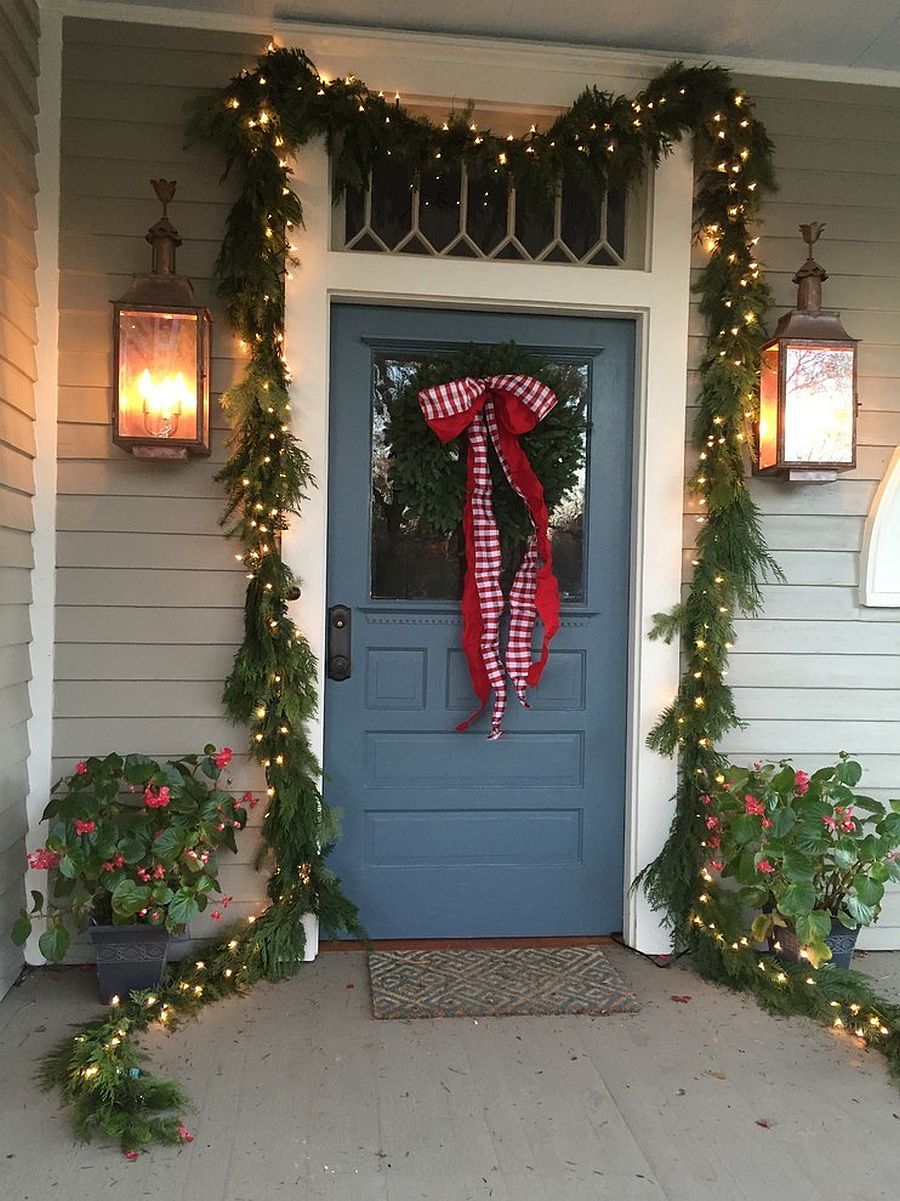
<point x="458" y="214"/>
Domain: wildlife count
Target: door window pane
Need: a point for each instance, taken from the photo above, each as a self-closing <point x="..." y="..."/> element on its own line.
<point x="409" y="561"/>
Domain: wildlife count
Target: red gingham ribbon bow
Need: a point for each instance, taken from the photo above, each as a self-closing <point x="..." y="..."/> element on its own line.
<point x="501" y="406"/>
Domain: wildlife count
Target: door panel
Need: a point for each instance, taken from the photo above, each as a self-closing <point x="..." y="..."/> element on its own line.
<point x="446" y="834"/>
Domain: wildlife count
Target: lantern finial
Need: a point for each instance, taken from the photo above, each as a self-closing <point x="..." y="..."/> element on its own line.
<point x="810" y="277"/>
<point x="163" y="236"/>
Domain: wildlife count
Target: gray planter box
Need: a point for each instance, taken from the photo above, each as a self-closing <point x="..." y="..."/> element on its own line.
<point x="129" y="958"/>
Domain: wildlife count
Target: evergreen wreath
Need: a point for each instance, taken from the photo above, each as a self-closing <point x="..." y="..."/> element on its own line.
<point x="428" y="477"/>
<point x="259" y="120"/>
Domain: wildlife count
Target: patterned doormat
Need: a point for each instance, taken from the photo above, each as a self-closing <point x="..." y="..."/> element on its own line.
<point x="483" y="983"/>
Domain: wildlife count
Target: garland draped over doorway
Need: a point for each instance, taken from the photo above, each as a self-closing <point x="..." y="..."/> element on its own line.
<point x="260" y="120"/>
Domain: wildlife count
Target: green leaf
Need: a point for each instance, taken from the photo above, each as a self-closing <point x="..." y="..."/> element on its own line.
<point x="21" y="929"/>
<point x="797" y="900"/>
<point x="129" y="898"/>
<point x="864" y="914"/>
<point x="895" y="805"/>
<point x="134" y="847"/>
<point x="809" y="837"/>
<point x="761" y="927"/>
<point x="139" y="768"/>
<point x="54" y="942"/>
<point x="869" y="804"/>
<point x="63" y="887"/>
<point x="799" y="867"/>
<point x="869" y="891"/>
<point x="744" y="829"/>
<point x="813" y="927"/>
<point x="67" y="867"/>
<point x="182" y="908"/>
<point x="783" y="822"/>
<point x="37" y="901"/>
<point x="162" y="894"/>
<point x="849" y="772"/>
<point x="783" y="779"/>
<point x="167" y="844"/>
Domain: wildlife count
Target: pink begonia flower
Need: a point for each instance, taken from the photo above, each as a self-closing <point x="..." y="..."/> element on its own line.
<point x="223" y="757"/>
<point x="216" y="916"/>
<point x="185" y="1135"/>
<point x="801" y="782"/>
<point x="712" y="823"/>
<point x="706" y="800"/>
<point x="43" y="860"/>
<point x="766" y="823"/>
<point x="753" y="806"/>
<point x="142" y="913"/>
<point x="713" y="841"/>
<point x="143" y="874"/>
<point x="154" y="799"/>
<point x="848" y="826"/>
<point x="159" y="871"/>
<point x="80" y="768"/>
<point x="716" y="865"/>
<point x="226" y="901"/>
<point x="764" y="866"/>
<point x="83" y="827"/>
<point x="131" y="1156"/>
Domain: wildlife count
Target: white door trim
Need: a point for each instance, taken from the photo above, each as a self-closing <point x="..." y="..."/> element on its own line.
<point x="658" y="299"/>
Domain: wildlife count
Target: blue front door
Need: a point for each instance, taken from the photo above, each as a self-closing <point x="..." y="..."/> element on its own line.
<point x="446" y="834"/>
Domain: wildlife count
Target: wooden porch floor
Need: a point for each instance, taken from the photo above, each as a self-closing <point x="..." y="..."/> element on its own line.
<point x="300" y="1094"/>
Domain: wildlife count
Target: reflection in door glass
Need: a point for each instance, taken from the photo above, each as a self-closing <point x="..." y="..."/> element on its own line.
<point x="412" y="562"/>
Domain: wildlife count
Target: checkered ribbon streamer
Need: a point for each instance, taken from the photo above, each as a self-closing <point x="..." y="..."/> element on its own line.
<point x="499" y="408"/>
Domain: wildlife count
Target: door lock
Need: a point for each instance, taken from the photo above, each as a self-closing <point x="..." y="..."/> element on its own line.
<point x="339" y="642"/>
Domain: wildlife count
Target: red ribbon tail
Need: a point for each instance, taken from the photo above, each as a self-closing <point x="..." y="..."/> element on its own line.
<point x="470" y="608"/>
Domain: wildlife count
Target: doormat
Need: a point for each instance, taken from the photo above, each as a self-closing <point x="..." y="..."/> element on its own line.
<point x="496" y="983"/>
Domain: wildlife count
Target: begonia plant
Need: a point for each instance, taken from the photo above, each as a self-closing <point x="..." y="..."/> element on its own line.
<point x="805" y="850"/>
<point x="130" y="840"/>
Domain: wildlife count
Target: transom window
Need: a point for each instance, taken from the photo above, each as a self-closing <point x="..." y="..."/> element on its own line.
<point x="457" y="214"/>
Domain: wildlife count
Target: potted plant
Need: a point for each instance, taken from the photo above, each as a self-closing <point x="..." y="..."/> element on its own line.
<point x="133" y="849"/>
<point x="807" y="852"/>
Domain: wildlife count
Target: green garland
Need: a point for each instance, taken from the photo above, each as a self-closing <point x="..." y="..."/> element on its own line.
<point x="259" y="121"/>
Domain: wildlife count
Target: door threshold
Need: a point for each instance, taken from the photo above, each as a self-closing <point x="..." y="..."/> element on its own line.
<point x="461" y="944"/>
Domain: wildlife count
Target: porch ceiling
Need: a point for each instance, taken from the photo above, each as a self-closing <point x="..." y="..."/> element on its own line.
<point x="823" y="32"/>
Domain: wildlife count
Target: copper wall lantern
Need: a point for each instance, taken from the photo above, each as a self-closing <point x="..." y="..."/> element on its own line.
<point x="162" y="351"/>
<point x="807" y="411"/>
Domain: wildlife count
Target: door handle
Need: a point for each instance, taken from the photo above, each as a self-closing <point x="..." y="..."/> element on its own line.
<point x="339" y="642"/>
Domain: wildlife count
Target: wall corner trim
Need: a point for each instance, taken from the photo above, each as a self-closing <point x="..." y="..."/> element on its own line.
<point x="42" y="614"/>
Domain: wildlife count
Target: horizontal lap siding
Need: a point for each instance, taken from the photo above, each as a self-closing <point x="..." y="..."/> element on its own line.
<point x="149" y="596"/>
<point x="816" y="673"/>
<point x="19" y="35"/>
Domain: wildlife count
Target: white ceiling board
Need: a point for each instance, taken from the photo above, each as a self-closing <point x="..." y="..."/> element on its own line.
<point x="864" y="34"/>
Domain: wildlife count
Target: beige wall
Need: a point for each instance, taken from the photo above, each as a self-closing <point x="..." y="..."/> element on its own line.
<point x="19" y="33"/>
<point x="817" y="673"/>
<point x="149" y="596"/>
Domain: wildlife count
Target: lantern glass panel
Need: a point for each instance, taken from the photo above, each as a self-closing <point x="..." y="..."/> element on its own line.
<point x="158" y="375"/>
<point x="768" y="407"/>
<point x="818" y="404"/>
